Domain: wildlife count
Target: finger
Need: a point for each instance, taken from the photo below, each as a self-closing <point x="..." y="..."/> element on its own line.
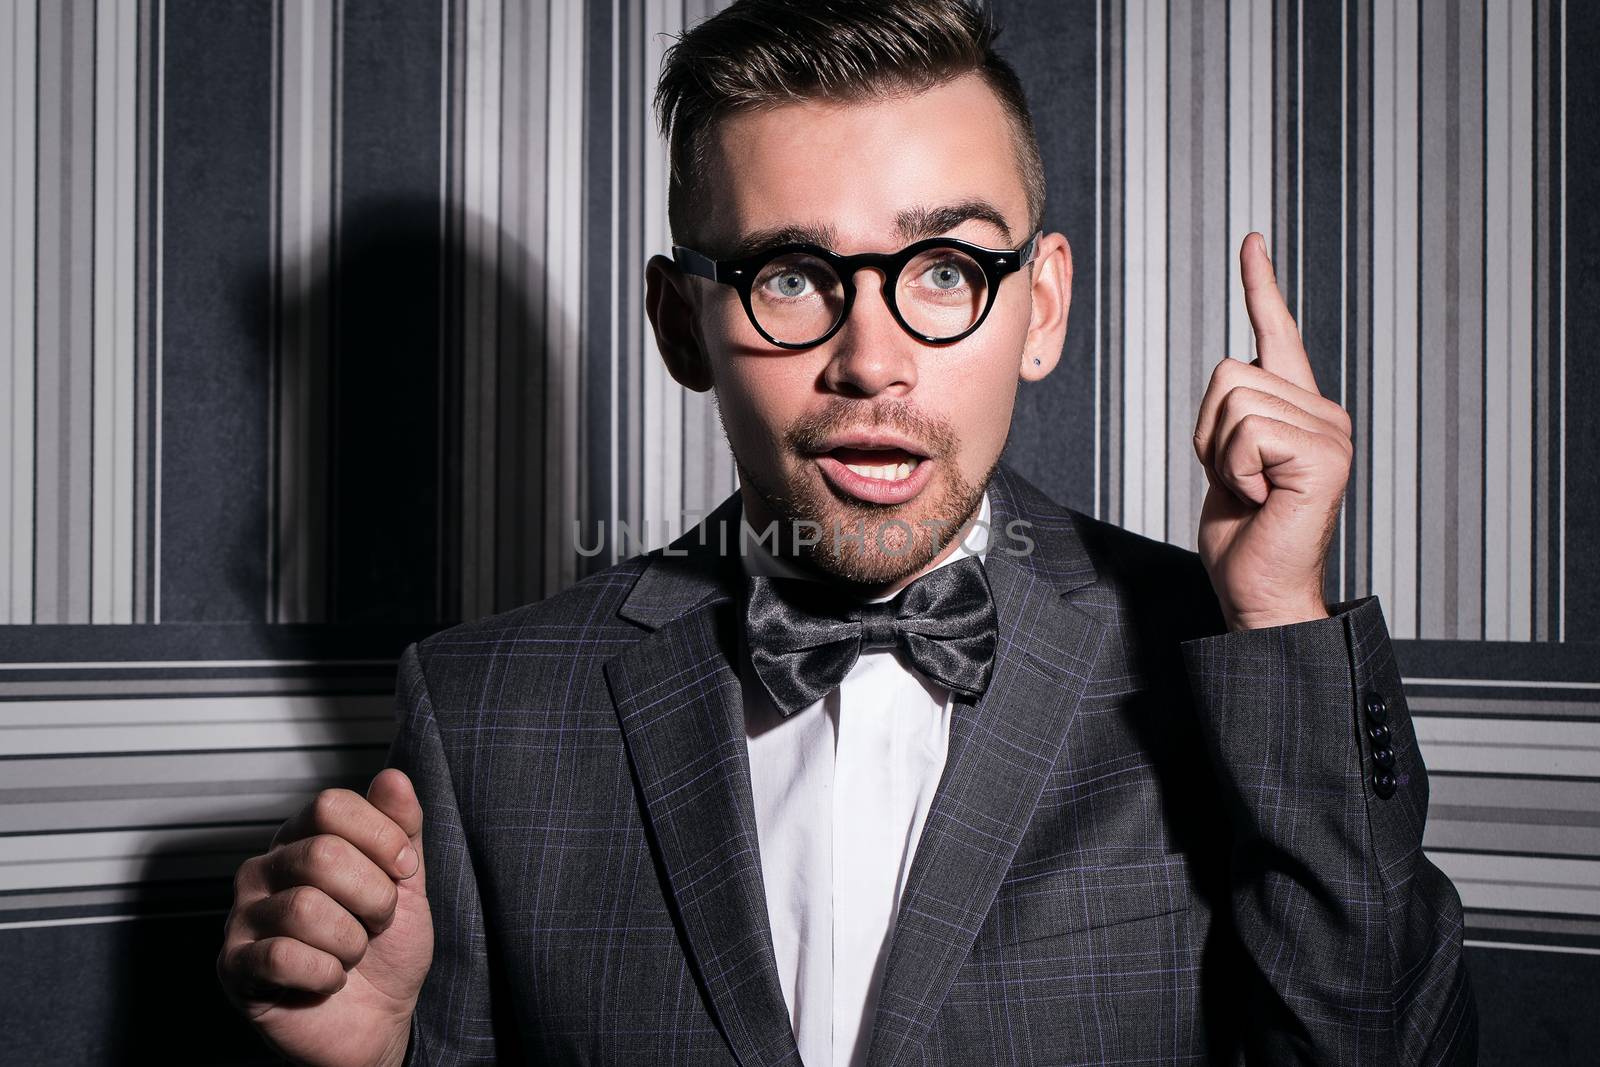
<point x="259" y="969"/>
<point x="1278" y="341"/>
<point x="347" y="814"/>
<point x="340" y="870"/>
<point x="1243" y="401"/>
<point x="1230" y="374"/>
<point x="392" y="793"/>
<point x="1264" y="454"/>
<point x="307" y="914"/>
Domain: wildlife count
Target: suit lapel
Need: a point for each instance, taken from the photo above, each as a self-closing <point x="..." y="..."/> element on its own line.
<point x="681" y="711"/>
<point x="1001" y="751"/>
<point x="678" y="700"/>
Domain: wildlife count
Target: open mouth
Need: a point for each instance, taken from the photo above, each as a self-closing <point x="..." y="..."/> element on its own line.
<point x="883" y="464"/>
<point x="887" y="475"/>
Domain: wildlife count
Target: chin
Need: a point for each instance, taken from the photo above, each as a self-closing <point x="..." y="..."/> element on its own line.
<point x="865" y="543"/>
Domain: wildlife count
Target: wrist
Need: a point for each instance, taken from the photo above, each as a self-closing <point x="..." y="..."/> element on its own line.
<point x="1277" y="616"/>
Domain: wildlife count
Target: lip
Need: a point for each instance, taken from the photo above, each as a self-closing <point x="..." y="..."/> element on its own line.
<point x="875" y="490"/>
<point x="872" y="440"/>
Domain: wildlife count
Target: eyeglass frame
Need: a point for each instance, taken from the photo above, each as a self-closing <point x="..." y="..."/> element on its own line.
<point x="741" y="273"/>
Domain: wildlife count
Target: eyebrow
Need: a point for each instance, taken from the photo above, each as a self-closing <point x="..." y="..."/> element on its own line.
<point x="912" y="224"/>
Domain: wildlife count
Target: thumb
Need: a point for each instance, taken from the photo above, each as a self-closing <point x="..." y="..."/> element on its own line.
<point x="392" y="793"/>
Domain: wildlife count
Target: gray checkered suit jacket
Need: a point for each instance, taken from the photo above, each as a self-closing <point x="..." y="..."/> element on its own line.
<point x="1154" y="842"/>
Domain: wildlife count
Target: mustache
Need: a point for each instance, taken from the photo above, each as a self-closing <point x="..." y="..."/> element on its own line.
<point x="809" y="433"/>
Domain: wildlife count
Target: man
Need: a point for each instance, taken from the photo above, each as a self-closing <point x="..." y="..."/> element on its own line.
<point x="942" y="771"/>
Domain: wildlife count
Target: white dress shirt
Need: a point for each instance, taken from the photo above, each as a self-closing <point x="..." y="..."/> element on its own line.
<point x="841" y="790"/>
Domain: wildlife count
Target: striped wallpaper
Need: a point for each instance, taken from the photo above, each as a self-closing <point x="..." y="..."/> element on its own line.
<point x="323" y="327"/>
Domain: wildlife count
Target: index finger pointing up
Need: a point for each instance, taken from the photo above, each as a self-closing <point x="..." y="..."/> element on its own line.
<point x="1278" y="343"/>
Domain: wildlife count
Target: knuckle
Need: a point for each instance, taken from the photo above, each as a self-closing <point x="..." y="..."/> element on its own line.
<point x="327" y="808"/>
<point x="1223" y="372"/>
<point x="300" y="905"/>
<point x="276" y="957"/>
<point x="325" y="852"/>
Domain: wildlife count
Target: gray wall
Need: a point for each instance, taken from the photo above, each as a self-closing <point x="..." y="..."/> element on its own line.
<point x="321" y="327"/>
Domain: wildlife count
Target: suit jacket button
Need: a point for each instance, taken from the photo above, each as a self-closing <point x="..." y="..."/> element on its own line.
<point x="1377" y="708"/>
<point x="1379" y="734"/>
<point x="1383" y="757"/>
<point x="1383" y="784"/>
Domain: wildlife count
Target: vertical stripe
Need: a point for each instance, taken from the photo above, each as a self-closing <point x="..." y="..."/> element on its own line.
<point x="525" y="280"/>
<point x="158" y="301"/>
<point x="479" y="212"/>
<point x="1322" y="205"/>
<point x="1144" y="309"/>
<point x="147" y="310"/>
<point x="64" y="323"/>
<point x="1561" y="318"/>
<point x="1496" y="325"/>
<point x="1519" y="345"/>
<point x="1099" y="246"/>
<point x="18" y="201"/>
<point x="1543" y="475"/>
<point x="1394" y="284"/>
<point x="1249" y="139"/>
<point x="1114" y="254"/>
<point x="116" y="90"/>
<point x="656" y="452"/>
<point x="1438" y="335"/>
<point x="304" y="248"/>
<point x="1359" y="275"/>
<point x="1403" y="341"/>
<point x="564" y="338"/>
<point x="1184" y="264"/>
<point x="1508" y="321"/>
<point x="1197" y="244"/>
<point x="1467" y="300"/>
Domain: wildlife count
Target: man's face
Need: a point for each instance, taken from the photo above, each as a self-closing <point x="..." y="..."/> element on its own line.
<point x="866" y="177"/>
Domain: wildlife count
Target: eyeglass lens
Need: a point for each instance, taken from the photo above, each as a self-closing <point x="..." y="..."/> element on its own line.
<point x="797" y="298"/>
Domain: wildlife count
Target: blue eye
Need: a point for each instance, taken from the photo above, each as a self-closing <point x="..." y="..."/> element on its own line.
<point x="788" y="284"/>
<point x="945" y="276"/>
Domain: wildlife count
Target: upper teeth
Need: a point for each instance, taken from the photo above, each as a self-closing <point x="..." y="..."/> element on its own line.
<point x="888" y="471"/>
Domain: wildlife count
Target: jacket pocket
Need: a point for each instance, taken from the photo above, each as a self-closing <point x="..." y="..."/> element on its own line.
<point x="1030" y="908"/>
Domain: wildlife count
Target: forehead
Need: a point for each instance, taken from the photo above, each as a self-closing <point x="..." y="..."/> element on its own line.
<point x="856" y="167"/>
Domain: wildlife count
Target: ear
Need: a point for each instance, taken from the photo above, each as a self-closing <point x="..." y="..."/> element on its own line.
<point x="669" y="300"/>
<point x="1052" y="297"/>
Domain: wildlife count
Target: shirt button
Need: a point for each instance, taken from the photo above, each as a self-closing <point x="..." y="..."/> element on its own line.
<point x="1377" y="708"/>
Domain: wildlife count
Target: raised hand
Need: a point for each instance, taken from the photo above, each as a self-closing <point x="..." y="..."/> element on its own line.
<point x="1276" y="453"/>
<point x="330" y="938"/>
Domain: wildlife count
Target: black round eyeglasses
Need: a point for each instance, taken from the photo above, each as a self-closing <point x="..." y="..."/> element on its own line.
<point x="797" y="295"/>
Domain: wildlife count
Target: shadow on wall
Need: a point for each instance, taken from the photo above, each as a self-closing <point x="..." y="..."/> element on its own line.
<point x="374" y="339"/>
<point x="407" y="378"/>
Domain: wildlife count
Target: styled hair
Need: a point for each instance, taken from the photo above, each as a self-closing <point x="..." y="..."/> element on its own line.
<point x="762" y="53"/>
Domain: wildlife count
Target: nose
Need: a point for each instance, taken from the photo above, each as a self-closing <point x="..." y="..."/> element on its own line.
<point x="872" y="354"/>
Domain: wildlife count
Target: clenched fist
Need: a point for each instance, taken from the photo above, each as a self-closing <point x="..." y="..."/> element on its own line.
<point x="330" y="937"/>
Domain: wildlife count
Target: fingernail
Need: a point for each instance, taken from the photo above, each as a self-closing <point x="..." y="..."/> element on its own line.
<point x="1262" y="242"/>
<point x="407" y="862"/>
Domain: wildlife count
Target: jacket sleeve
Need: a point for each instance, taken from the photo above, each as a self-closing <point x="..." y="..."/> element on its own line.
<point x="1351" y="938"/>
<point x="452" y="1023"/>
